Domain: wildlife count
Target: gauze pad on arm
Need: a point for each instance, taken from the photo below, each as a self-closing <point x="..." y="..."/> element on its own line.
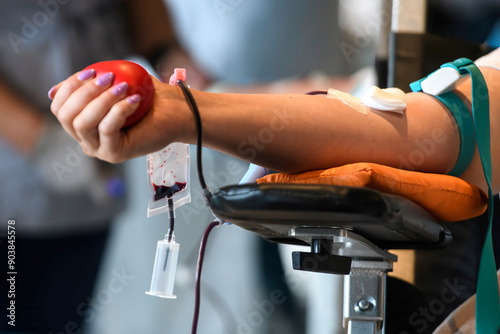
<point x="388" y="99"/>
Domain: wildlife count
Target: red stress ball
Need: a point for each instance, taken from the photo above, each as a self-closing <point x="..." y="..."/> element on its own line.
<point x="138" y="79"/>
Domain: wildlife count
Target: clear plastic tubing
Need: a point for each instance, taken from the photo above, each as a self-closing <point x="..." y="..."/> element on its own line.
<point x="163" y="278"/>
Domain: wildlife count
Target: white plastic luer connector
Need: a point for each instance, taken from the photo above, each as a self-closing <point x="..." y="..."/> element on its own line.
<point x="163" y="278"/>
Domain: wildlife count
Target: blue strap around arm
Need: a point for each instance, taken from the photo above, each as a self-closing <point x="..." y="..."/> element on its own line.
<point x="465" y="126"/>
<point x="487" y="299"/>
<point x="487" y="294"/>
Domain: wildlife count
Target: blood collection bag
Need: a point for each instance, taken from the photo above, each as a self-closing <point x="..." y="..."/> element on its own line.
<point x="168" y="177"/>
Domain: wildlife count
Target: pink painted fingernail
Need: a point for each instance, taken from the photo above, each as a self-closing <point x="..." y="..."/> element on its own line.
<point x="104" y="79"/>
<point x="86" y="74"/>
<point x="119" y="89"/>
<point x="51" y="92"/>
<point x="134" y="99"/>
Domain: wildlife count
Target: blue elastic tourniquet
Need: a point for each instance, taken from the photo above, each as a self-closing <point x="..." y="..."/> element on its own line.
<point x="487" y="294"/>
<point x="466" y="130"/>
<point x="465" y="126"/>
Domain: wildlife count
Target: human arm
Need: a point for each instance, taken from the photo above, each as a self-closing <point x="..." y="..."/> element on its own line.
<point x="22" y="125"/>
<point x="150" y="26"/>
<point x="314" y="133"/>
<point x="294" y="133"/>
<point x="153" y="35"/>
<point x="285" y="132"/>
<point x="290" y="85"/>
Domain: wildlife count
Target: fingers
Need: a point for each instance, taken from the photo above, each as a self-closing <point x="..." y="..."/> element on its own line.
<point x="75" y="93"/>
<point x="92" y="111"/>
<point x="110" y="134"/>
<point x="52" y="92"/>
<point x="85" y="123"/>
<point x="63" y="104"/>
<point x="61" y="92"/>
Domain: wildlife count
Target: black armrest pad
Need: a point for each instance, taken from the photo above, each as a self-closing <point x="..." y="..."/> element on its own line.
<point x="271" y="210"/>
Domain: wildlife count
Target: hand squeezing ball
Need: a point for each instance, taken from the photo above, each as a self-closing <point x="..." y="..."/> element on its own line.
<point x="138" y="79"/>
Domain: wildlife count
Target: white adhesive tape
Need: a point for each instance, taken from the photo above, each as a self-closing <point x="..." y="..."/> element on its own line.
<point x="347" y="99"/>
<point x="388" y="99"/>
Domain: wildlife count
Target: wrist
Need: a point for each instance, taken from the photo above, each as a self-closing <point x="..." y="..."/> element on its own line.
<point x="172" y="114"/>
<point x="189" y="132"/>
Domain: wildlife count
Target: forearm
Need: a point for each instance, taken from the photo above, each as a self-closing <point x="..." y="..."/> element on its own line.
<point x="21" y="125"/>
<point x="295" y="133"/>
<point x="150" y="25"/>
<point x="153" y="36"/>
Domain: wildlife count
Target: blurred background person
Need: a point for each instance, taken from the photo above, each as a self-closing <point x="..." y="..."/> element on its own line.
<point x="62" y="202"/>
